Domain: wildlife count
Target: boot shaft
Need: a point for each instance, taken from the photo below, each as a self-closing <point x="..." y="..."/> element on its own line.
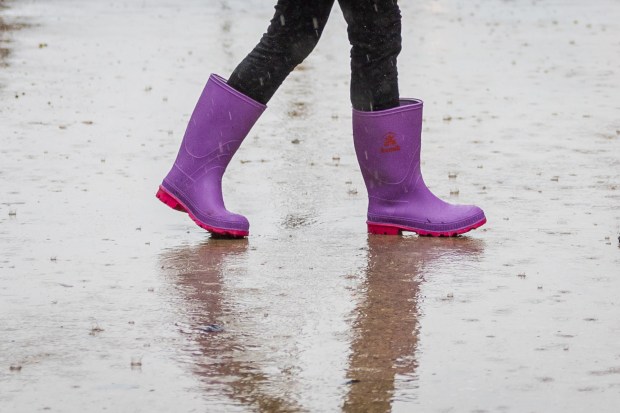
<point x="387" y="145"/>
<point x="220" y="121"/>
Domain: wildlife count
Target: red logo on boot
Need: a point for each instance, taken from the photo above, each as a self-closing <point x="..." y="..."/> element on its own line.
<point x="389" y="143"/>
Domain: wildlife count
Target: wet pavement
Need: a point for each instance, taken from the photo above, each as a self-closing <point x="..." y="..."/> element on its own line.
<point x="111" y="301"/>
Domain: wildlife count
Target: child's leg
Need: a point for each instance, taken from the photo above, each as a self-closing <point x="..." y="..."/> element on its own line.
<point x="293" y="33"/>
<point x="374" y="33"/>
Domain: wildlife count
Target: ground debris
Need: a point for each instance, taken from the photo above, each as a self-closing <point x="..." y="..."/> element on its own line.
<point x="210" y="328"/>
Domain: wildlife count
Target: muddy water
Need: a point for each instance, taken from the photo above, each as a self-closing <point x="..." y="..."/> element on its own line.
<point x="110" y="301"/>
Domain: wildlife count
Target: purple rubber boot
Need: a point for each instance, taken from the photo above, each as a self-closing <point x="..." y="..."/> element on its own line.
<point x="221" y="120"/>
<point x="387" y="144"/>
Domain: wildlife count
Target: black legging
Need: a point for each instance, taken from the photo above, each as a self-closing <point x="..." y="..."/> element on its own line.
<point x="374" y="33"/>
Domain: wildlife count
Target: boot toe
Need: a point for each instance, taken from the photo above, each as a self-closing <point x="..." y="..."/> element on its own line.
<point x="473" y="213"/>
<point x="227" y="221"/>
<point x="463" y="216"/>
<point x="239" y="222"/>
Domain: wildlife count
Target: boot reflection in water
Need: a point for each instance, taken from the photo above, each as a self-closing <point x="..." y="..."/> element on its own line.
<point x="198" y="274"/>
<point x="386" y="327"/>
<point x="240" y="365"/>
<point x="386" y="128"/>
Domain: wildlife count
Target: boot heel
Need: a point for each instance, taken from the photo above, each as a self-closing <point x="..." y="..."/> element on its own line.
<point x="167" y="199"/>
<point x="383" y="229"/>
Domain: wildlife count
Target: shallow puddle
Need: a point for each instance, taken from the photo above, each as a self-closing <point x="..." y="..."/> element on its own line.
<point x="112" y="301"/>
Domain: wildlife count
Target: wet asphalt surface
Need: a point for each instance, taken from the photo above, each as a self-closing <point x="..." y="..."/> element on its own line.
<point x="111" y="301"/>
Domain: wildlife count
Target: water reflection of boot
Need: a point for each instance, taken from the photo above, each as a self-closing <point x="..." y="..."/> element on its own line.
<point x="386" y="327"/>
<point x="217" y="352"/>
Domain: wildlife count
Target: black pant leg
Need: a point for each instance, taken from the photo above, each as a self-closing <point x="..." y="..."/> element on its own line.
<point x="374" y="28"/>
<point x="293" y="33"/>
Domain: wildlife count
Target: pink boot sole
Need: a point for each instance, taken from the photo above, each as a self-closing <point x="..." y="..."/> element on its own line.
<point x="390" y="229"/>
<point x="169" y="199"/>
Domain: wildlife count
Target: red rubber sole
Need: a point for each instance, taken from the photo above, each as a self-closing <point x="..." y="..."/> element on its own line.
<point x="170" y="200"/>
<point x="391" y="229"/>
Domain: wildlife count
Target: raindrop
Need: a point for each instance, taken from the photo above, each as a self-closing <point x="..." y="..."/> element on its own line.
<point x="229" y="115"/>
<point x="366" y="154"/>
<point x="315" y="22"/>
<point x="282" y="20"/>
<point x="136" y="362"/>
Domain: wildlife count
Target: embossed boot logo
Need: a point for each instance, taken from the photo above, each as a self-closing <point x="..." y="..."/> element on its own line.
<point x="389" y="143"/>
